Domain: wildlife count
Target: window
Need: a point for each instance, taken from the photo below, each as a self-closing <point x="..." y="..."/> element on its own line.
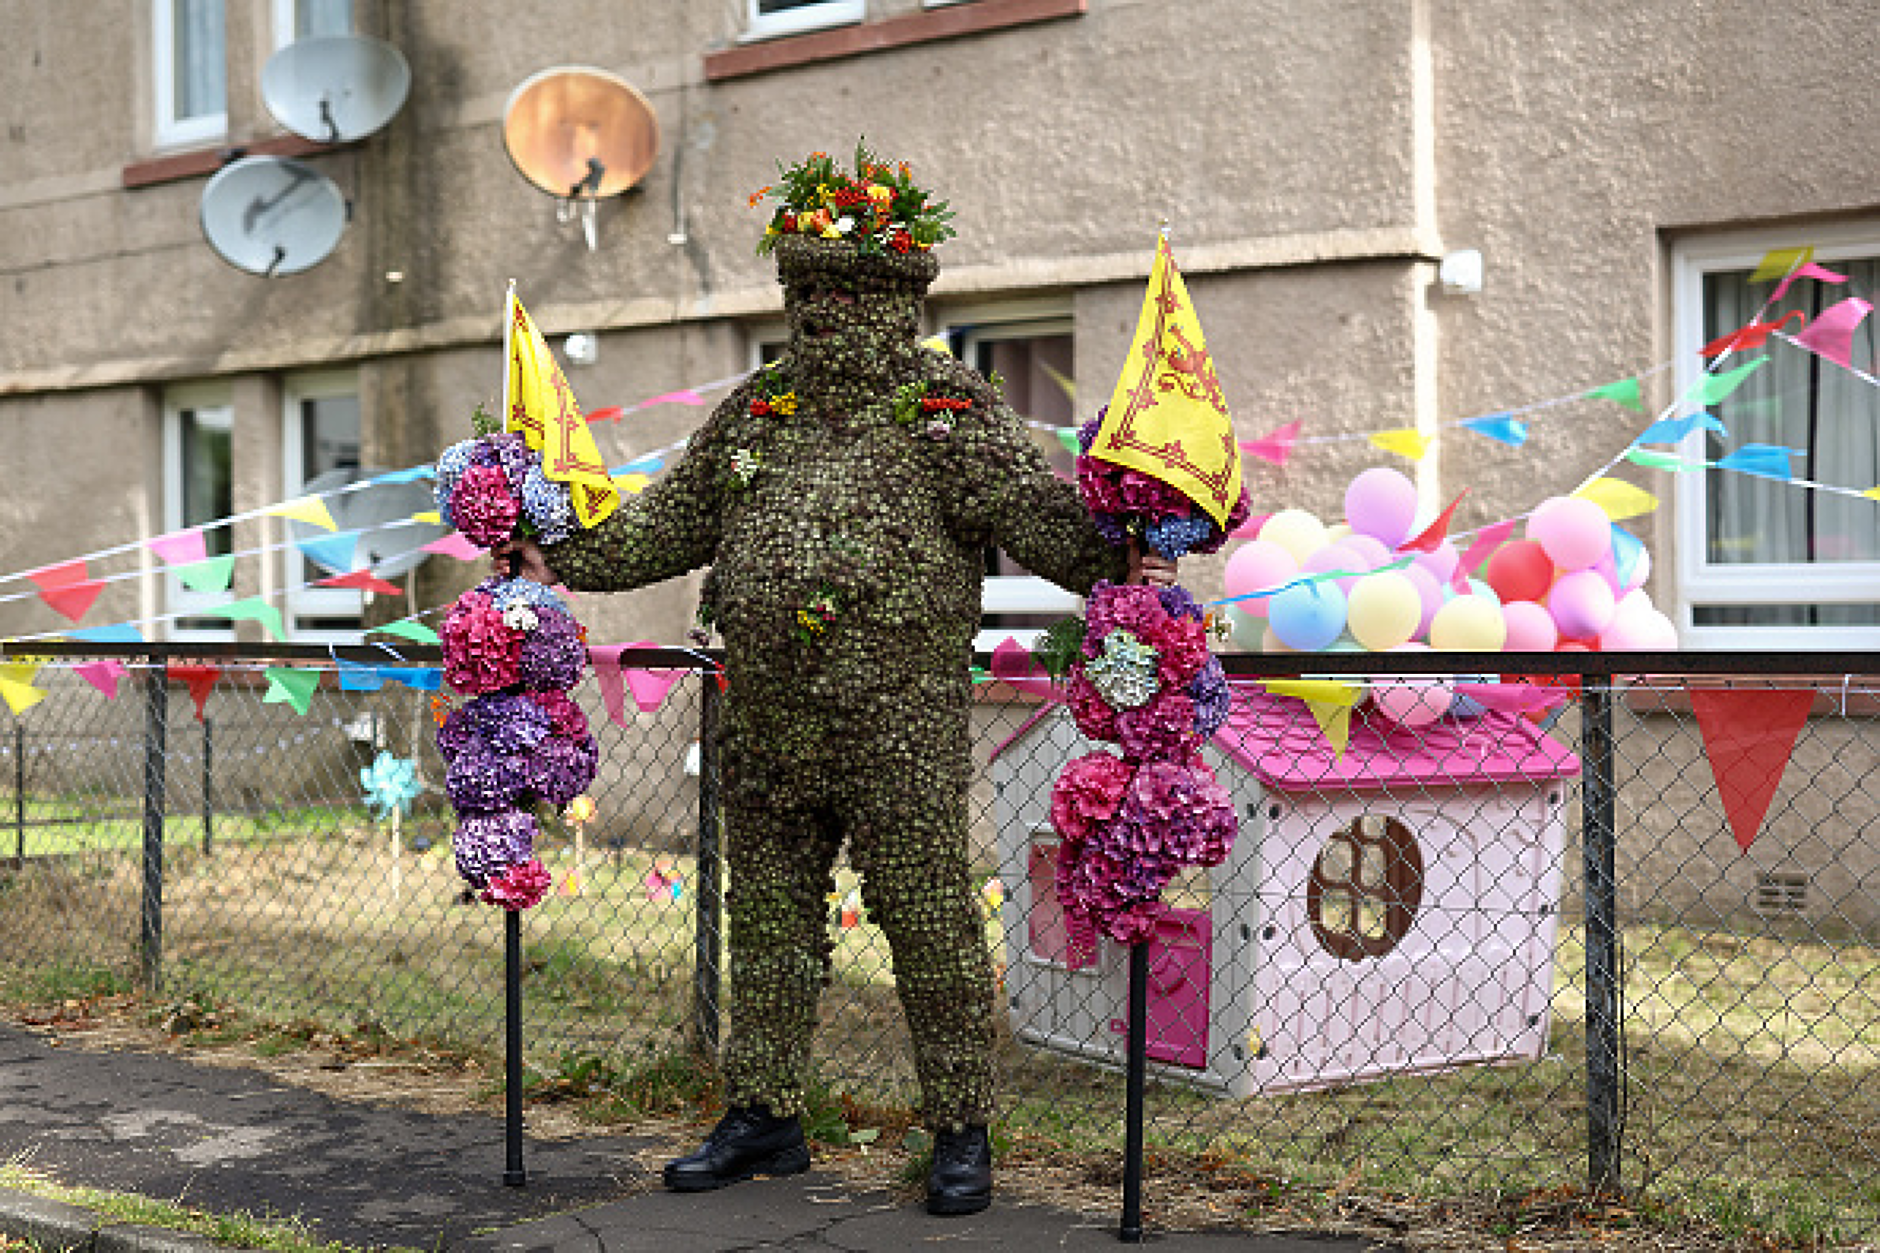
<point x="198" y="491"/>
<point x="320" y="442"/>
<point x="1033" y="358"/>
<point x="295" y="20"/>
<point x="766" y="19"/>
<point x="191" y="75"/>
<point x="1763" y="562"/>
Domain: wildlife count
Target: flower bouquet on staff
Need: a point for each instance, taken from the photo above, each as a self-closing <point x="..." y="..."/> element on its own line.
<point x="1158" y="466"/>
<point x="511" y="645"/>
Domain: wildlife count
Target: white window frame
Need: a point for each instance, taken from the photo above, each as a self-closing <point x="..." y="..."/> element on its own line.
<point x="179" y="600"/>
<point x="285" y="14"/>
<point x="169" y="130"/>
<point x="307" y="602"/>
<point x="1700" y="582"/>
<point x="812" y="15"/>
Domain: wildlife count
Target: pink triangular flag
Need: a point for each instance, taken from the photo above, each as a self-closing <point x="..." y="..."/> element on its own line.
<point x="649" y="687"/>
<point x="103" y="675"/>
<point x="1487" y="540"/>
<point x="1276" y="445"/>
<point x="1832" y="335"/>
<point x="1748" y="736"/>
<point x="606" y="659"/>
<point x="179" y="548"/>
<point x="684" y="396"/>
<point x="454" y="545"/>
<point x="1807" y="270"/>
<point x="1012" y="664"/>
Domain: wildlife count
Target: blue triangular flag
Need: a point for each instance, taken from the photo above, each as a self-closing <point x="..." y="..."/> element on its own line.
<point x="1672" y="430"/>
<point x="338" y="552"/>
<point x="354" y="677"/>
<point x="645" y="465"/>
<point x="417" y="678"/>
<point x="1508" y="430"/>
<point x="407" y="476"/>
<point x="1767" y="461"/>
<point x="115" y="633"/>
<point x="1626" y="550"/>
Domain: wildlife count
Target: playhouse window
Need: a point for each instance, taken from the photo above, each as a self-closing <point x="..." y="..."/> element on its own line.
<point x="1365" y="888"/>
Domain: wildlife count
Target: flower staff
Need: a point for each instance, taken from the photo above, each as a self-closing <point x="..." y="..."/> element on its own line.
<point x="845" y="522"/>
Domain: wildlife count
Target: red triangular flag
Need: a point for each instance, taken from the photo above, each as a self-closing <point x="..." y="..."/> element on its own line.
<point x="1275" y="446"/>
<point x="67" y="588"/>
<point x="1431" y="537"/>
<point x="1749" y="735"/>
<point x="365" y="581"/>
<point x="1751" y="337"/>
<point x="201" y="680"/>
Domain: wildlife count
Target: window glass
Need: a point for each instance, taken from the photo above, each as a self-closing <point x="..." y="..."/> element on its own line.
<point x="192" y="71"/>
<point x="1760" y="553"/>
<point x="314" y="19"/>
<point x="208" y="483"/>
<point x="765" y="18"/>
<point x="321" y="439"/>
<point x="198" y="493"/>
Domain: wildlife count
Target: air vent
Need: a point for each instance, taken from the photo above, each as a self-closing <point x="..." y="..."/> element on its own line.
<point x="1781" y="893"/>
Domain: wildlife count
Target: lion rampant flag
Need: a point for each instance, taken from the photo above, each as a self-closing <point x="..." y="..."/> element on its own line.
<point x="540" y="404"/>
<point x="1167" y="417"/>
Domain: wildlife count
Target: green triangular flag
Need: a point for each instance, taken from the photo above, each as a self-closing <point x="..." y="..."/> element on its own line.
<point x="253" y="608"/>
<point x="292" y="686"/>
<point x="1661" y="460"/>
<point x="1714" y="387"/>
<point x="1624" y="392"/>
<point x="407" y="629"/>
<point x="211" y="575"/>
<point x="1067" y="436"/>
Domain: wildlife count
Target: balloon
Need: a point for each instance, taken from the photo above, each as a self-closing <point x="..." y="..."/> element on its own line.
<point x="1531" y="628"/>
<point x="1582" y="604"/>
<point x="1295" y="530"/>
<point x="1271" y="643"/>
<point x="1257" y="566"/>
<point x="1373" y="552"/>
<point x="1641" y="570"/>
<point x="1336" y="559"/>
<point x="1575" y="532"/>
<point x="1308" y="617"/>
<point x="1412" y="702"/>
<point x="1441" y="561"/>
<point x="1469" y="624"/>
<point x="1638" y="626"/>
<point x="1429" y="592"/>
<point x="1382" y="502"/>
<point x="1520" y="571"/>
<point x="1384" y="610"/>
<point x="1246" y="627"/>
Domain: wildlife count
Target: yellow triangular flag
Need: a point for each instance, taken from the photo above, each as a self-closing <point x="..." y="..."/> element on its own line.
<point x="1330" y="702"/>
<point x="309" y="509"/>
<point x="1167" y="416"/>
<point x="16" y="685"/>
<point x="1874" y="492"/>
<point x="1780" y="262"/>
<point x="632" y="484"/>
<point x="1404" y="442"/>
<point x="430" y="517"/>
<point x="938" y="343"/>
<point x="1618" y="498"/>
<point x="542" y="406"/>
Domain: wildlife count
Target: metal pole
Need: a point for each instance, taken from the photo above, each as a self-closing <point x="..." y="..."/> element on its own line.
<point x="1137" y="1064"/>
<point x="156" y="719"/>
<point x="708" y="894"/>
<point x="1599" y="845"/>
<point x="208" y="786"/>
<point x="513" y="1174"/>
<point x="19" y="791"/>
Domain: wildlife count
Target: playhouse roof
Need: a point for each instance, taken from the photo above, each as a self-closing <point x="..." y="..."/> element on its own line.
<point x="1278" y="739"/>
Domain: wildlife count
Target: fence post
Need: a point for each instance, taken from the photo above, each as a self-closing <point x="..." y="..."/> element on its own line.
<point x="156" y="720"/>
<point x="19" y="791"/>
<point x="208" y="786"/>
<point x="709" y="924"/>
<point x="1604" y="1126"/>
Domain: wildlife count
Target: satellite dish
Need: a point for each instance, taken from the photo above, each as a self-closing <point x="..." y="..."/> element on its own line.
<point x="335" y="89"/>
<point x="580" y="134"/>
<point x="270" y="215"/>
<point x="388" y="541"/>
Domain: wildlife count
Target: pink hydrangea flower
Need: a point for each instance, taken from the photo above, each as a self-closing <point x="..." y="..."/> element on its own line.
<point x="522" y="886"/>
<point x="481" y="652"/>
<point x="483" y="506"/>
<point x="1165" y="727"/>
<point x="1087" y="794"/>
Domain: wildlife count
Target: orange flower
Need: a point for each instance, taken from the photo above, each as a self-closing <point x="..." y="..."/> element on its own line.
<point x="440" y="709"/>
<point x="758" y="195"/>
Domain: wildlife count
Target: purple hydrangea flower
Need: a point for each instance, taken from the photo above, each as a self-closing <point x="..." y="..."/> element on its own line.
<point x="487" y="844"/>
<point x="560" y="770"/>
<point x="480" y="782"/>
<point x="548" y="506"/>
<point x="553" y="656"/>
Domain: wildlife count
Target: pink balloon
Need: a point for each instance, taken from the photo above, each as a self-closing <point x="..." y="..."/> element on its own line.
<point x="1429" y="591"/>
<point x="1582" y="604"/>
<point x="1413" y="702"/>
<point x="1371" y="550"/>
<point x="1335" y="557"/>
<point x="1382" y="502"/>
<point x="1257" y="566"/>
<point x="1442" y="561"/>
<point x="1576" y="533"/>
<point x="1638" y="626"/>
<point x="1530" y="627"/>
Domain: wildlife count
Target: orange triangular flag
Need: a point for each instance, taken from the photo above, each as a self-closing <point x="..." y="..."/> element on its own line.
<point x="201" y="681"/>
<point x="364" y="581"/>
<point x="1749" y="736"/>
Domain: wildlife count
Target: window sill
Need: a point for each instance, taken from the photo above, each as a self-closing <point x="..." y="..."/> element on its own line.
<point x="200" y="161"/>
<point x="896" y="32"/>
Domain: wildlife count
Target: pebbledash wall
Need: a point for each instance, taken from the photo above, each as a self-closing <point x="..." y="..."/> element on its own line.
<point x="1314" y="161"/>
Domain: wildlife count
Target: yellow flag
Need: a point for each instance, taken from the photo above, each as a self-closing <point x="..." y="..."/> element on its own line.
<point x="1167" y="416"/>
<point x="16" y="685"/>
<point x="542" y="406"/>
<point x="309" y="509"/>
<point x="1329" y="700"/>
<point x="1618" y="498"/>
<point x="1780" y="262"/>
<point x="1404" y="442"/>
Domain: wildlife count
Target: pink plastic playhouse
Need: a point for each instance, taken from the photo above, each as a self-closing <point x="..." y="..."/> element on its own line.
<point x="1385" y="910"/>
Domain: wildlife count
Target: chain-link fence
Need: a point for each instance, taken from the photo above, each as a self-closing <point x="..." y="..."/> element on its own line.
<point x="1587" y="927"/>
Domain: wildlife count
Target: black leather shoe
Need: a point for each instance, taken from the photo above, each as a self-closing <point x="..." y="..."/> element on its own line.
<point x="961" y="1179"/>
<point x="747" y="1141"/>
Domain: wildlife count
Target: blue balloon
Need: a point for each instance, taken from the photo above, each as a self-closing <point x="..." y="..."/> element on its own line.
<point x="1308" y="616"/>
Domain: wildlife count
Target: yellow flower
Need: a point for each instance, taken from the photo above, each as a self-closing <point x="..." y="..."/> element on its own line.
<point x="810" y="622"/>
<point x="784" y="404"/>
<point x="879" y="194"/>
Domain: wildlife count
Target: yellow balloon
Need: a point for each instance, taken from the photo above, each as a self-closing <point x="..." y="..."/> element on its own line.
<point x="1384" y="611"/>
<point x="1471" y="624"/>
<point x="1298" y="532"/>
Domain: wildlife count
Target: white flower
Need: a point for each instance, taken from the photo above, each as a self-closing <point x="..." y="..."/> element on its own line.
<point x="845" y="224"/>
<point x="519" y="617"/>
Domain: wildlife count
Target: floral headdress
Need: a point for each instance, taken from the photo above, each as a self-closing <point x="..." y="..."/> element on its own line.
<point x="878" y="207"/>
